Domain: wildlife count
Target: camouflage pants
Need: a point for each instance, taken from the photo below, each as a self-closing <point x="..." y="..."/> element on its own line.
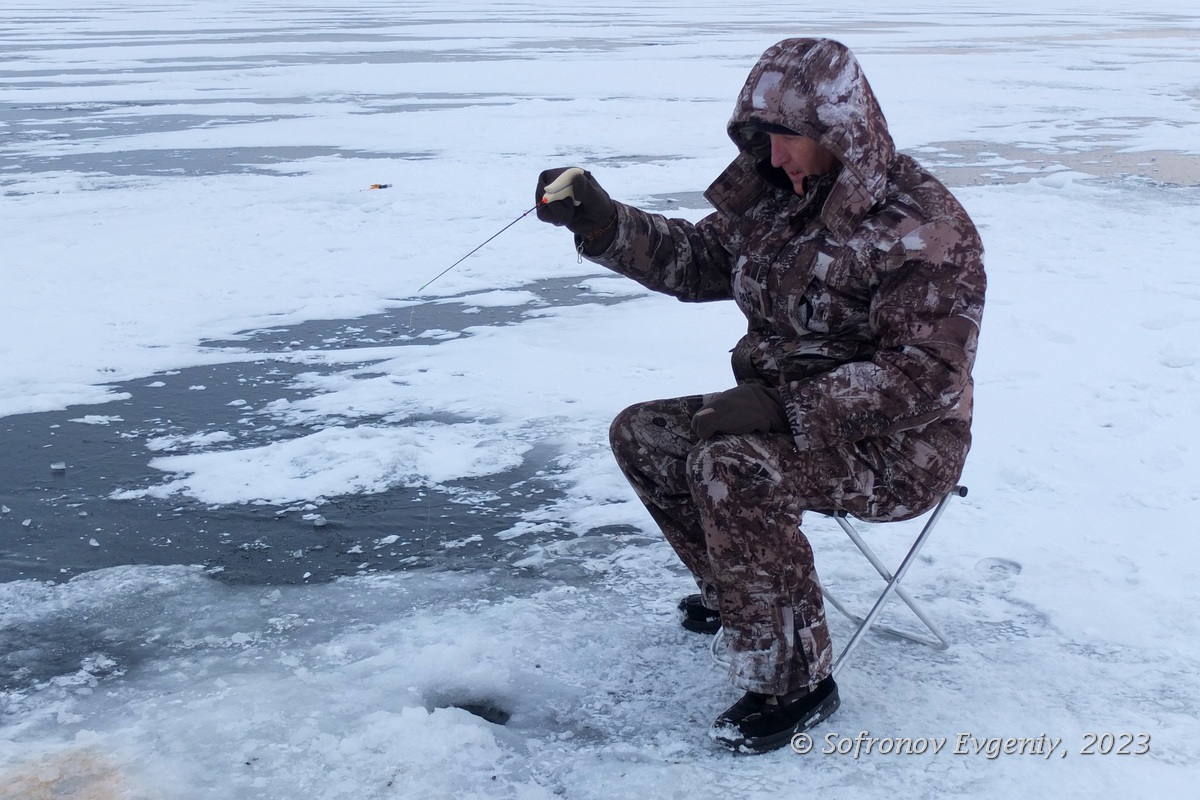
<point x="731" y="508"/>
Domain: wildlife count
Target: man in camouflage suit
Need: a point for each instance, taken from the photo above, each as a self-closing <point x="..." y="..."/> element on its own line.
<point x="861" y="279"/>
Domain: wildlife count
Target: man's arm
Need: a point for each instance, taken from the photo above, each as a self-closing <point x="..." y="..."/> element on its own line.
<point x="690" y="261"/>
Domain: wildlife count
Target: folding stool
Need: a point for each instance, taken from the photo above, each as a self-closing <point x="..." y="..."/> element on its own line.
<point x="867" y="623"/>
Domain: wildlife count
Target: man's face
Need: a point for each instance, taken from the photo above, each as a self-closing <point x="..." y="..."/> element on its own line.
<point x="799" y="157"/>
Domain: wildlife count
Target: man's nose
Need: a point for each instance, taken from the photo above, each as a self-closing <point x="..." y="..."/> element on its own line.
<point x="778" y="154"/>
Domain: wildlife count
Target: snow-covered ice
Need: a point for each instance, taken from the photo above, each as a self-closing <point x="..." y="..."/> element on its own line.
<point x="177" y="178"/>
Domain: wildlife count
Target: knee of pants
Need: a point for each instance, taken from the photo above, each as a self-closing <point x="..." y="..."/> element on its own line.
<point x="653" y="425"/>
<point x="622" y="433"/>
<point x="727" y="468"/>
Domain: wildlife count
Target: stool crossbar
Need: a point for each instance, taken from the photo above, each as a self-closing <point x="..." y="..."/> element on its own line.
<point x="867" y="623"/>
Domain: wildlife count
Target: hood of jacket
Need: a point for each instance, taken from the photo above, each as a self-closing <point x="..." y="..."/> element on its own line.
<point x="816" y="88"/>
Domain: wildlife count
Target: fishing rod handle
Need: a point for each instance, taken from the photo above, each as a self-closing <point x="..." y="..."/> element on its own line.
<point x="562" y="187"/>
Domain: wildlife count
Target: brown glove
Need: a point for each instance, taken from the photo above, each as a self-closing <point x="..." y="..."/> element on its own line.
<point x="748" y="408"/>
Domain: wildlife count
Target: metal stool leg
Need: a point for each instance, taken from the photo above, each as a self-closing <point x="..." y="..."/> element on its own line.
<point x="867" y="623"/>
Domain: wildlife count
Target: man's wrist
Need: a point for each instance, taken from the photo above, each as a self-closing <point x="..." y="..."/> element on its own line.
<point x="596" y="242"/>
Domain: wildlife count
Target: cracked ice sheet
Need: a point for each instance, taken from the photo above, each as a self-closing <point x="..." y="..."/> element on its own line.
<point x="558" y="377"/>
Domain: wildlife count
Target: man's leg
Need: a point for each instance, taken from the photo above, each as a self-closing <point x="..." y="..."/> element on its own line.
<point x="651" y="442"/>
<point x="731" y="509"/>
<point x="752" y="491"/>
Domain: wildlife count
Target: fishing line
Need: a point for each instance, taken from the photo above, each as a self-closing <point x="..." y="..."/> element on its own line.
<point x="480" y="247"/>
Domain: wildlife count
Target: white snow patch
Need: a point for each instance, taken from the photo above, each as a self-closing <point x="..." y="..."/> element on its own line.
<point x="194" y="441"/>
<point x="96" y="419"/>
<point x="335" y="461"/>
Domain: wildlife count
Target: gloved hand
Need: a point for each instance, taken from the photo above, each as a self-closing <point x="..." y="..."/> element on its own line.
<point x="748" y="408"/>
<point x="571" y="197"/>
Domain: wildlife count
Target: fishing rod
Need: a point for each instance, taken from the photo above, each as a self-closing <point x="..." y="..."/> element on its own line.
<point x="480" y="247"/>
<point x="561" y="188"/>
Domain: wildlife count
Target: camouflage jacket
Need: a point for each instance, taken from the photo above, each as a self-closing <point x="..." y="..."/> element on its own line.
<point x="863" y="296"/>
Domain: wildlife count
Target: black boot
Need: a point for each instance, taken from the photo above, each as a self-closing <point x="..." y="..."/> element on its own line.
<point x="695" y="617"/>
<point x="761" y="722"/>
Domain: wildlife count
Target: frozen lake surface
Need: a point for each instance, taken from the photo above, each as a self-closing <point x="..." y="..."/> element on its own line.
<point x="274" y="523"/>
<point x="61" y="469"/>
